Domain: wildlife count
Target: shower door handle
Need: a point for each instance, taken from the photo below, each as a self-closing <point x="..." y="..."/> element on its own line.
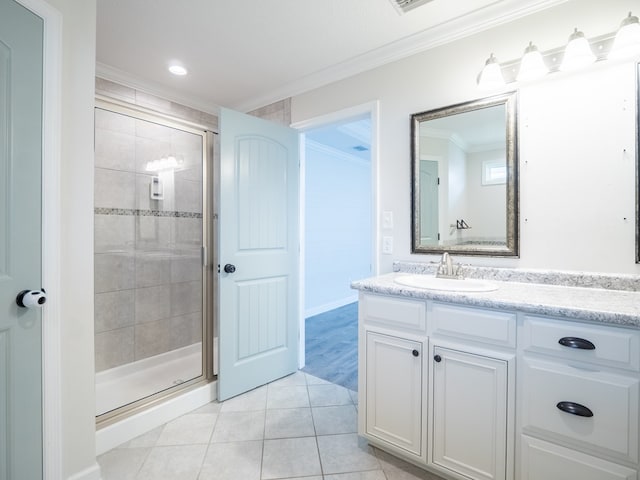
<point x="228" y="268"/>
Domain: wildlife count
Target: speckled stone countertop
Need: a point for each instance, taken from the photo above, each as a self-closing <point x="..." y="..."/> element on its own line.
<point x="579" y="296"/>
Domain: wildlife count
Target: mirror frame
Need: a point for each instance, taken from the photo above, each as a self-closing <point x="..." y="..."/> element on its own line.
<point x="637" y="163"/>
<point x="509" y="100"/>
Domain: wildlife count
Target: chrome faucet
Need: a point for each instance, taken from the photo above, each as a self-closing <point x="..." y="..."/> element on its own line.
<point x="446" y="268"/>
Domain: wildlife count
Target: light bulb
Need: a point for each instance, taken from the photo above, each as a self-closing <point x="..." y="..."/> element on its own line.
<point x="578" y="52"/>
<point x="178" y="70"/>
<point x="627" y="41"/>
<point x="532" y="65"/>
<point x="490" y="77"/>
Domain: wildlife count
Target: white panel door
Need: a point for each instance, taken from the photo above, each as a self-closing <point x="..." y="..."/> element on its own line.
<point x="21" y="37"/>
<point x="429" y="202"/>
<point x="259" y="252"/>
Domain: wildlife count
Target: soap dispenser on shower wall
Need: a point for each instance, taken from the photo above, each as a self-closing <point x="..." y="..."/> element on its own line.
<point x="156" y="189"/>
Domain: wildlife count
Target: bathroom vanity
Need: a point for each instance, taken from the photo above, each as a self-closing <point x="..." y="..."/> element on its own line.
<point x="525" y="381"/>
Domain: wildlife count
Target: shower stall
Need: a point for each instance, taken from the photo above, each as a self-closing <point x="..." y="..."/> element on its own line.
<point x="153" y="317"/>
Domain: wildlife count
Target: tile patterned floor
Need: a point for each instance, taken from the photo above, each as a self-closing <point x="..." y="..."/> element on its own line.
<point x="296" y="428"/>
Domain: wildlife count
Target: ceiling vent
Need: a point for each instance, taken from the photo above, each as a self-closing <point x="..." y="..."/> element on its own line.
<point x="403" y="6"/>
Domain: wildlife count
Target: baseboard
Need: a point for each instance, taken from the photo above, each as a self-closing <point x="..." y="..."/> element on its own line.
<point x="330" y="306"/>
<point x="91" y="473"/>
<point x="131" y="427"/>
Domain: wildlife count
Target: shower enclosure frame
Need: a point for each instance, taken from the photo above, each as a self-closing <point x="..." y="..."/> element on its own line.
<point x="209" y="259"/>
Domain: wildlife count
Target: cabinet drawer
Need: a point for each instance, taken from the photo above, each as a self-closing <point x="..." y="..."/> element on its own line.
<point x="486" y="326"/>
<point x="545" y="461"/>
<point x="612" y="346"/>
<point x="393" y="312"/>
<point x="612" y="400"/>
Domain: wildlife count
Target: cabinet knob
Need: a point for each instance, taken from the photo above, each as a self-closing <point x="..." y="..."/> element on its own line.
<point x="437" y="358"/>
<point x="575" y="409"/>
<point x="575" y="342"/>
<point x="415" y="353"/>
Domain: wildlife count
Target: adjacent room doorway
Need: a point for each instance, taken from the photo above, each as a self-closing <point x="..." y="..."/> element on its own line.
<point x="338" y="233"/>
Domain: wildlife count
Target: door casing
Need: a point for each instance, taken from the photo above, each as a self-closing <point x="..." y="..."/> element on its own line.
<point x="372" y="109"/>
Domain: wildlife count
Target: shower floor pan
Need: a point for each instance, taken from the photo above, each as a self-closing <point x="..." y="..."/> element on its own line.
<point x="128" y="383"/>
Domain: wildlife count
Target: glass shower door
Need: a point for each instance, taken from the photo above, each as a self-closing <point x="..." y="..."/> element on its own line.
<point x="150" y="310"/>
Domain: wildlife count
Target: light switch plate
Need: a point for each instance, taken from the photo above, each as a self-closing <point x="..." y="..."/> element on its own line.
<point x="387" y="245"/>
<point x="387" y="219"/>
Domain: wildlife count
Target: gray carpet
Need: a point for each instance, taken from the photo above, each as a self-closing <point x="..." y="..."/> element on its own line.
<point x="332" y="346"/>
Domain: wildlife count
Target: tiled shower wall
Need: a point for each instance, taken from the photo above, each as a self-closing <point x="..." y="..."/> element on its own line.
<point x="148" y="275"/>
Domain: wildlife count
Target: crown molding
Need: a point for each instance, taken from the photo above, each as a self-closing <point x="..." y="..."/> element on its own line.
<point x="480" y="20"/>
<point x="334" y="152"/>
<point x="498" y="13"/>
<point x="116" y="75"/>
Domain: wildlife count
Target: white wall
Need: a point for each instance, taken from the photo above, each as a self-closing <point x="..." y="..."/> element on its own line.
<point x="337" y="227"/>
<point x="76" y="245"/>
<point x="486" y="213"/>
<point x="576" y="132"/>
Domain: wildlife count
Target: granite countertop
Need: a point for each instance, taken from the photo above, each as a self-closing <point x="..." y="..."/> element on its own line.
<point x="598" y="305"/>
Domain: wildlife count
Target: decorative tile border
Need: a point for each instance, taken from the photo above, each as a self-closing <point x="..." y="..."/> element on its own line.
<point x="144" y="213"/>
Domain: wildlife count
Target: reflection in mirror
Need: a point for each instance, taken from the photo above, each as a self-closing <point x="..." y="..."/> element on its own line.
<point x="464" y="178"/>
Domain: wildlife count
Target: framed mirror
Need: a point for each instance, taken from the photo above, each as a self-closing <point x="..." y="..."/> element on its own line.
<point x="638" y="165"/>
<point x="465" y="178"/>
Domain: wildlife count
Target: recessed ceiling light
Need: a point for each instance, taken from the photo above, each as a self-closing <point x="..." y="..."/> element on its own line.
<point x="178" y="70"/>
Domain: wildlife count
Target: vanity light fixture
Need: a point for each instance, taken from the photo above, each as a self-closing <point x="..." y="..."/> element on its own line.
<point x="627" y="41"/>
<point x="178" y="70"/>
<point x="578" y="53"/>
<point x="532" y="65"/>
<point x="490" y="77"/>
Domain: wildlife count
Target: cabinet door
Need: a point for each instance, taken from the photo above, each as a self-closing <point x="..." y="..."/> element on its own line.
<point x="469" y="414"/>
<point x="394" y="391"/>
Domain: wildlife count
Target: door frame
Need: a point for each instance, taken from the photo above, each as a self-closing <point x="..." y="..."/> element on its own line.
<point x="51" y="134"/>
<point x="372" y="109"/>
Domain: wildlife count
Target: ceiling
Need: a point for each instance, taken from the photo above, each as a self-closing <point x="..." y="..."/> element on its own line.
<point x="244" y="54"/>
<point x="350" y="136"/>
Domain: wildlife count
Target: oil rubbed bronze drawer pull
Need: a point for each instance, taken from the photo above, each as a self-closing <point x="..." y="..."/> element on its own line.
<point x="575" y="409"/>
<point x="575" y="342"/>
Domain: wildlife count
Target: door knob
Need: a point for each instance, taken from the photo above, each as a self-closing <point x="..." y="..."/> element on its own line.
<point x="31" y="298"/>
<point x="228" y="268"/>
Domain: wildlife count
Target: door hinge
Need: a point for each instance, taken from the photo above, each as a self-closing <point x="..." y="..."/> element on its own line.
<point x="438" y="181"/>
<point x="438" y="236"/>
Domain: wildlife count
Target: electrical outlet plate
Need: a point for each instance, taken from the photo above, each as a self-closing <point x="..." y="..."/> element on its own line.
<point x="387" y="245"/>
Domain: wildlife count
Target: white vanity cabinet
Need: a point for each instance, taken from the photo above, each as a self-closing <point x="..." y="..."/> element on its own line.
<point x="434" y="392"/>
<point x="475" y="393"/>
<point x="578" y="391"/>
<point x="394" y="391"/>
<point x="471" y="398"/>
<point x="391" y="374"/>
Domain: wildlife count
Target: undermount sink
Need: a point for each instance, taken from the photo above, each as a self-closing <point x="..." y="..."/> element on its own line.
<point x="446" y="284"/>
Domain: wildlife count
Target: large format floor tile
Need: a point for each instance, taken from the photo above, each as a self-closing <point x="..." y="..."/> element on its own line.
<point x="297" y="428"/>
